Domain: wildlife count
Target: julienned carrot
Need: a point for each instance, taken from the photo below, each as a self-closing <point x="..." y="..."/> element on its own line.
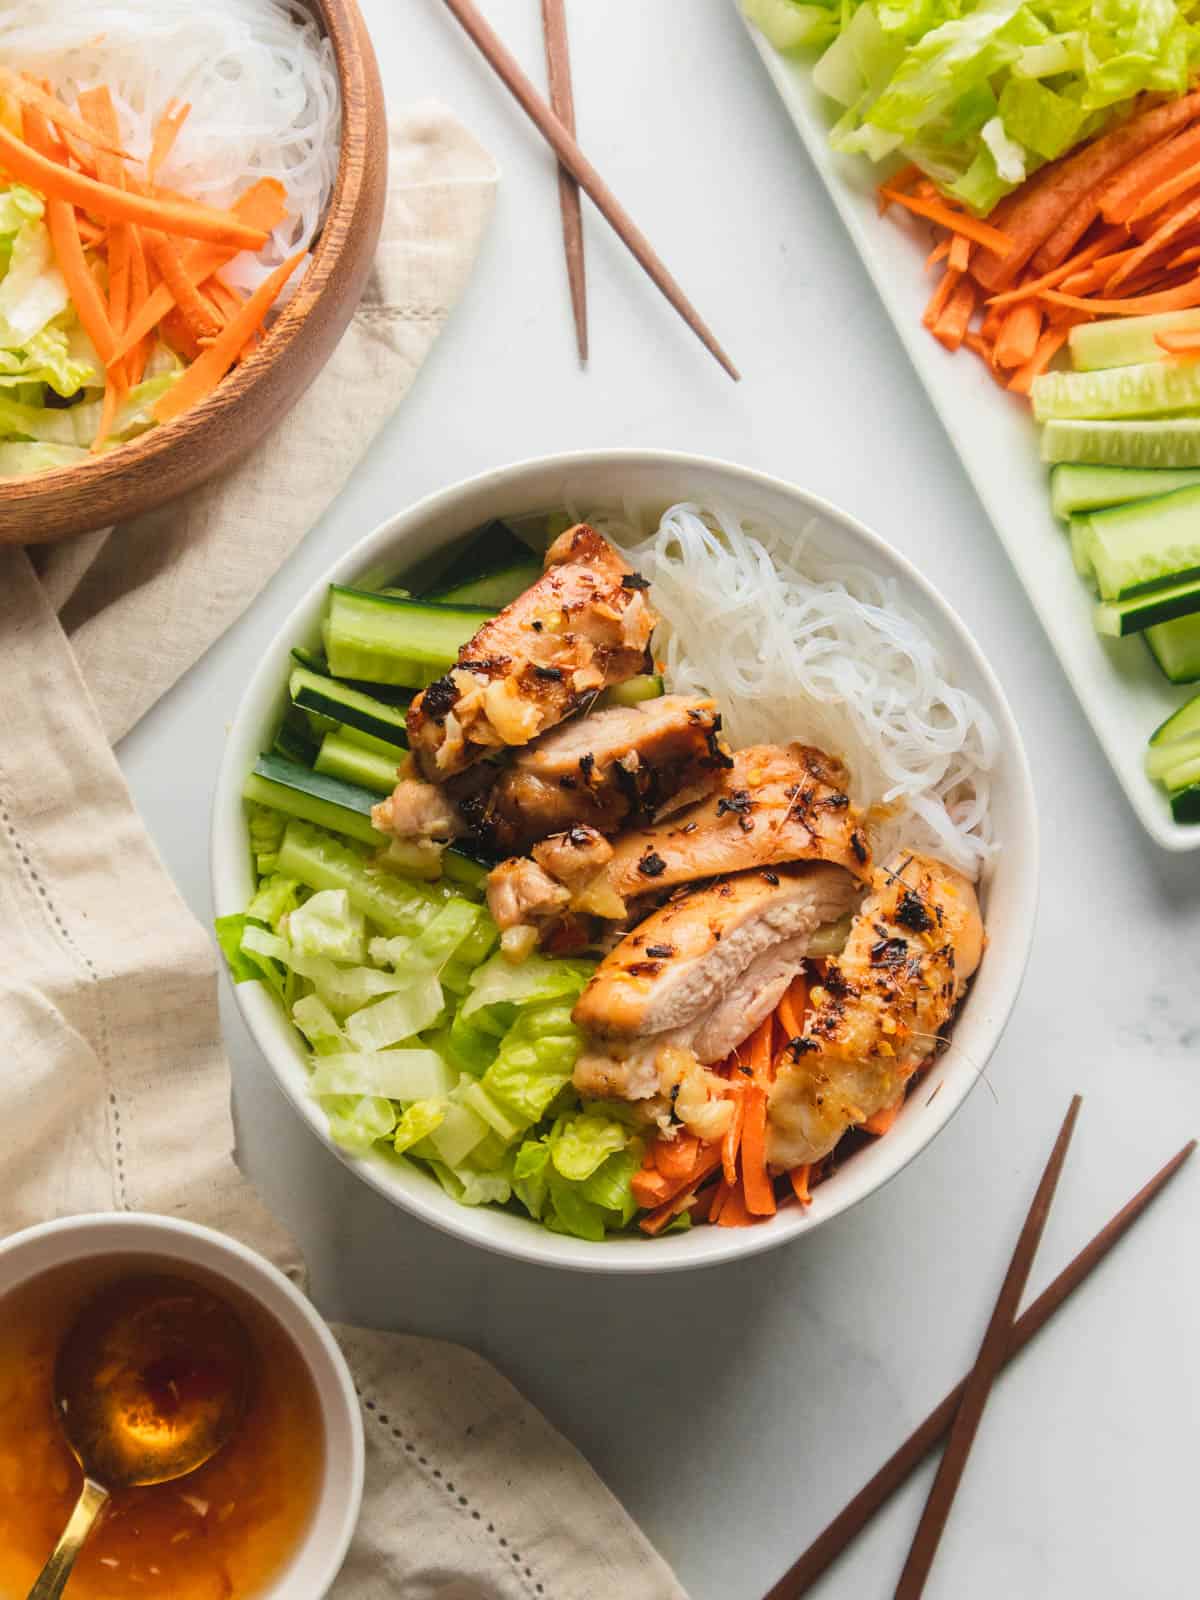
<point x="56" y="181"/>
<point x="63" y="118"/>
<point x="960" y="252"/>
<point x="1018" y="337"/>
<point x="1162" y="165"/>
<point x="261" y="206"/>
<point x="720" y="1195"/>
<point x="165" y="135"/>
<point x="1178" y="344"/>
<point x="958" y="222"/>
<point x="164" y="252"/>
<point x="1166" y="191"/>
<point x="1050" y="343"/>
<point x="666" y="1214"/>
<point x="939" y="252"/>
<point x="947" y="284"/>
<point x="1162" y="235"/>
<point x="137" y="351"/>
<point x="756" y="1181"/>
<point x="952" y="324"/>
<point x="734" y="1213"/>
<point x="1095" y="251"/>
<point x="649" y="1188"/>
<point x="676" y="1158"/>
<point x="761" y="1055"/>
<point x="793" y="1004"/>
<point x="68" y="251"/>
<point x="202" y="377"/>
<point x="731" y="1142"/>
<point x="1179" y="298"/>
<point x="799" y="1182"/>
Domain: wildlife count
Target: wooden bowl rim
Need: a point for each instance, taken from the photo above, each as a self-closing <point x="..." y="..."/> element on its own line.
<point x="339" y="19"/>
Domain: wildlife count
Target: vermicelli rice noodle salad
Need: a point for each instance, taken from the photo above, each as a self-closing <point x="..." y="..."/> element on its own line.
<point x="164" y="170"/>
<point x="620" y="875"/>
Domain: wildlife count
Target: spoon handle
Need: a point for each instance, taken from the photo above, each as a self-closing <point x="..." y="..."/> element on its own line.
<point x="92" y="1501"/>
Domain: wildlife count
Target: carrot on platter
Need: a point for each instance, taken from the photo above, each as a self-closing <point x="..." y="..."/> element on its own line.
<point x="56" y="181"/>
<point x="951" y="326"/>
<point x="1017" y="339"/>
<point x="1050" y="343"/>
<point x="959" y="222"/>
<point x="1179" y="298"/>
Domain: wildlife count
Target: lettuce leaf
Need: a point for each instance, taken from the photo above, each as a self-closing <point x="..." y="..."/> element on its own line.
<point x="535" y="1061"/>
<point x="580" y="1144"/>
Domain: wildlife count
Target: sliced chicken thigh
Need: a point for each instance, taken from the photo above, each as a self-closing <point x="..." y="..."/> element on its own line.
<point x="881" y="1009"/>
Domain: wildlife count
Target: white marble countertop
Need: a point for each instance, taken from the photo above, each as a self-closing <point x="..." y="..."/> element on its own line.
<point x="735" y="1410"/>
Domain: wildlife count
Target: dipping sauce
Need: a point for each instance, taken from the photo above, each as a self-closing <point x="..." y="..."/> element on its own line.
<point x="223" y="1532"/>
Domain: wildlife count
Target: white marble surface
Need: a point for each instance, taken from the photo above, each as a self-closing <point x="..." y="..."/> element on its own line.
<point x="735" y="1410"/>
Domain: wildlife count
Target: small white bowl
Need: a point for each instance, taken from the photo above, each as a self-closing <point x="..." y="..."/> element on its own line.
<point x="72" y="1241"/>
<point x="652" y="480"/>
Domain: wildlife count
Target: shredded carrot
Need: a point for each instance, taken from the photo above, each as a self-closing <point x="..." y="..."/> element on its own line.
<point x="947" y="284"/>
<point x="951" y="326"/>
<point x="1178" y="344"/>
<point x="165" y="135"/>
<point x="756" y="1181"/>
<point x="881" y="1121"/>
<point x="799" y="1180"/>
<point x="52" y="108"/>
<point x="960" y="252"/>
<point x="957" y="221"/>
<point x="732" y="1139"/>
<point x="659" y="1219"/>
<point x="202" y="377"/>
<point x="649" y="1188"/>
<point x="1162" y="235"/>
<point x="1018" y="338"/>
<point x="939" y="253"/>
<point x="793" y="1003"/>
<point x="165" y="253"/>
<point x="720" y="1194"/>
<point x="885" y="193"/>
<point x="1048" y="346"/>
<point x="734" y="1213"/>
<point x="1126" y="192"/>
<point x="760" y="1053"/>
<point x="261" y="206"/>
<point x="68" y="251"/>
<point x="676" y="1158"/>
<point x="137" y="351"/>
<point x="1099" y="247"/>
<point x="1180" y="298"/>
<point x="56" y="181"/>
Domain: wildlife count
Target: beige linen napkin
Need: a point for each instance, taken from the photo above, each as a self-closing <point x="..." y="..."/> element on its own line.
<point x="114" y="1090"/>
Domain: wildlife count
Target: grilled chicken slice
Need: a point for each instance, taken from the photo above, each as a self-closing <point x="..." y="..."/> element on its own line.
<point x="881" y="1009"/>
<point x="603" y="770"/>
<point x="695" y="979"/>
<point x="583" y="626"/>
<point x="773" y="804"/>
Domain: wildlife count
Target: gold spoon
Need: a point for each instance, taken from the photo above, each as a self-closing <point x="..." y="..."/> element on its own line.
<point x="150" y="1383"/>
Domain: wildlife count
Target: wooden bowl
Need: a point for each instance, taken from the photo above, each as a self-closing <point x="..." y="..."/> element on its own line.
<point x="169" y="460"/>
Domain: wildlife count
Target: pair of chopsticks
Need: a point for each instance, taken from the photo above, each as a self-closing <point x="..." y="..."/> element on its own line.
<point x="557" y="127"/>
<point x="959" y="1414"/>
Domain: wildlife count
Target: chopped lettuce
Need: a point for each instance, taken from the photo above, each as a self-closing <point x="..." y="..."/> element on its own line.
<point x="980" y="92"/>
<point x="424" y="1044"/>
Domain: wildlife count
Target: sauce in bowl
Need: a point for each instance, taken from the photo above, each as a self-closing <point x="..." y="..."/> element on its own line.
<point x="222" y="1533"/>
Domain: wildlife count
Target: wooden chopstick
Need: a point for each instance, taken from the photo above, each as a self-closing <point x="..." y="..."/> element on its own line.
<point x="562" y="101"/>
<point x="848" y="1524"/>
<point x="983" y="1374"/>
<point x="506" y="67"/>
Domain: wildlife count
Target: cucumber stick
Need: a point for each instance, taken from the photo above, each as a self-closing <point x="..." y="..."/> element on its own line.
<point x="329" y="703"/>
<point x="646" y="686"/>
<point x="314" y="797"/>
<point x="1125" y="341"/>
<point x="1155" y="443"/>
<point x="394" y="904"/>
<point x="1081" y="548"/>
<point x="1181" y="724"/>
<point x="339" y="758"/>
<point x="1146" y="544"/>
<point x="384" y="639"/>
<point x="1176" y="648"/>
<point x="1165" y="762"/>
<point x="1150" y="389"/>
<point x="1075" y="488"/>
<point x="1117" y="618"/>
<point x="493" y="589"/>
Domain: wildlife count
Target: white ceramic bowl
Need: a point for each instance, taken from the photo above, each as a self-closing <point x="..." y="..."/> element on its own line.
<point x="76" y="1240"/>
<point x="655" y="480"/>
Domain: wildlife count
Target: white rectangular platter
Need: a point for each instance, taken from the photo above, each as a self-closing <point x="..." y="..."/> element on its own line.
<point x="1119" y="687"/>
